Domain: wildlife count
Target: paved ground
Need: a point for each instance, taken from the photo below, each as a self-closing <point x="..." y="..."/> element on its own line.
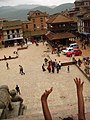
<point x="62" y="101"/>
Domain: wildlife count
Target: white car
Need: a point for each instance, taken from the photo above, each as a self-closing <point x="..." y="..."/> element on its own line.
<point x="29" y="43"/>
<point x="67" y="50"/>
<point x="73" y="45"/>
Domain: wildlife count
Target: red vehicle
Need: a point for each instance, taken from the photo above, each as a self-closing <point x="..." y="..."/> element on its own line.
<point x="74" y="52"/>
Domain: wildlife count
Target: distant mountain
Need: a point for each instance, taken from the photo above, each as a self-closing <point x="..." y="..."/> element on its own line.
<point x="53" y="6"/>
<point x="44" y="9"/>
<point x="25" y="6"/>
<point x="63" y="7"/>
<point x="20" y="11"/>
<point x="56" y="9"/>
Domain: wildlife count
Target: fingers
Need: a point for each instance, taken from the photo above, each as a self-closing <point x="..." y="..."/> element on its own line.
<point x="82" y="83"/>
<point x="49" y="91"/>
<point x="78" y="81"/>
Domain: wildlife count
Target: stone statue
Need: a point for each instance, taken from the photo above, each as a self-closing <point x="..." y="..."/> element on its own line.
<point x="5" y="100"/>
<point x="15" y="97"/>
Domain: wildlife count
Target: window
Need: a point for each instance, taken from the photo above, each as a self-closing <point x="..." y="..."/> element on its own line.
<point x="63" y="25"/>
<point x="8" y="36"/>
<point x="41" y="19"/>
<point x="59" y="25"/>
<point x="26" y="26"/>
<point x="38" y="13"/>
<point x="7" y="31"/>
<point x="17" y="30"/>
<point x="41" y="26"/>
<point x="34" y="20"/>
<point x="34" y="25"/>
<point x="12" y="31"/>
<point x="18" y="35"/>
<point x="13" y="36"/>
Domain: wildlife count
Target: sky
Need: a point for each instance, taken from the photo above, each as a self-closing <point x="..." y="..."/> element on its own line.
<point x="41" y="2"/>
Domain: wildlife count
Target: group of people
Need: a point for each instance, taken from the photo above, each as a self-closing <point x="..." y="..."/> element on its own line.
<point x="53" y="66"/>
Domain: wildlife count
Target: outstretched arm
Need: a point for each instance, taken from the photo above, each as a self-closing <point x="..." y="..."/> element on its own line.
<point x="81" y="108"/>
<point x="45" y="108"/>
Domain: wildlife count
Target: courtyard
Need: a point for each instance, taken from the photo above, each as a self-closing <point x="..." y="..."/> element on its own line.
<point x="62" y="101"/>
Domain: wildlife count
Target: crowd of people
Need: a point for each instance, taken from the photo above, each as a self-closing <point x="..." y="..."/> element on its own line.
<point x="51" y="65"/>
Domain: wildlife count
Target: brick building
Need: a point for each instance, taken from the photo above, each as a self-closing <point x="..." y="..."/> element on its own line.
<point x="26" y="26"/>
<point x="37" y="24"/>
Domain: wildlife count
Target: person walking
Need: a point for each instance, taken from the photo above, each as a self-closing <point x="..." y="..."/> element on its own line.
<point x="18" y="89"/>
<point x="21" y="70"/>
<point x="68" y="69"/>
<point x="7" y="65"/>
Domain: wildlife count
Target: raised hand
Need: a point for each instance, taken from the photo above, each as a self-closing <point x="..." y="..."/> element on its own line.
<point x="46" y="112"/>
<point x="81" y="108"/>
<point x="79" y="84"/>
<point x="46" y="94"/>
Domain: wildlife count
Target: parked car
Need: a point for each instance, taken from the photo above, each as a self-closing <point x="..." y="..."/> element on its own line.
<point x="66" y="50"/>
<point x="29" y="43"/>
<point x="73" y="45"/>
<point x="75" y="52"/>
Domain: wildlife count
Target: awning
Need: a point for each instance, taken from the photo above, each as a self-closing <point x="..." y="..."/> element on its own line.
<point x="85" y="34"/>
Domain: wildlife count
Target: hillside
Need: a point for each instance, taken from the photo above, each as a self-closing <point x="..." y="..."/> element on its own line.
<point x="20" y="11"/>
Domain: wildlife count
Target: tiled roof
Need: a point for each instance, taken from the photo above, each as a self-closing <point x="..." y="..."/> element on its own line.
<point x="9" y="24"/>
<point x="31" y="13"/>
<point x="57" y="36"/>
<point x="51" y="18"/>
<point x="59" y="18"/>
